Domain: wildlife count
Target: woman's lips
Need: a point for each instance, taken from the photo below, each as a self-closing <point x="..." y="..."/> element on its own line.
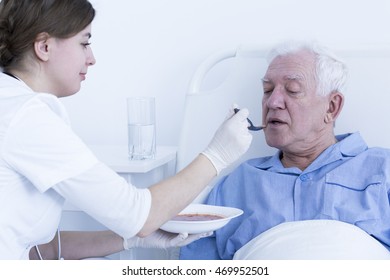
<point x="83" y="76"/>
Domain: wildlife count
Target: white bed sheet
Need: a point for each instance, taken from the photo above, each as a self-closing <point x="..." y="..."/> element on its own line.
<point x="313" y="240"/>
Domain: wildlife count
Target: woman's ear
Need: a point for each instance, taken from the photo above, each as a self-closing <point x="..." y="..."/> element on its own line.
<point x="41" y="46"/>
<point x="336" y="102"/>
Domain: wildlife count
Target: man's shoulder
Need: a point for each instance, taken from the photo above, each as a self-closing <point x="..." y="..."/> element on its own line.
<point x="378" y="152"/>
<point x="371" y="160"/>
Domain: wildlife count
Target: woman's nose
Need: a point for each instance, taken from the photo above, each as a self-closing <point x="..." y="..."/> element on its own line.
<point x="91" y="58"/>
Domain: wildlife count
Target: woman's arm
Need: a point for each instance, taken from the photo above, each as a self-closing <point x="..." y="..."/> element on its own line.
<point x="167" y="197"/>
<point x="79" y="245"/>
<point x="173" y="194"/>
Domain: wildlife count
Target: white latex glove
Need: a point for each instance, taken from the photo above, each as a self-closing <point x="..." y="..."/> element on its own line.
<point x="231" y="140"/>
<point x="163" y="240"/>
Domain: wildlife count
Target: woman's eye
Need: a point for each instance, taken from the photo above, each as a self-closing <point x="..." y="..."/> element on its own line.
<point x="86" y="44"/>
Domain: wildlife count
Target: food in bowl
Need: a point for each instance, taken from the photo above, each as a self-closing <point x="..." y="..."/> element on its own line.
<point x="197" y="217"/>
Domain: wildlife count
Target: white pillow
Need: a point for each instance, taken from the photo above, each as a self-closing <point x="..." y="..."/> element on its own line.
<point x="313" y="239"/>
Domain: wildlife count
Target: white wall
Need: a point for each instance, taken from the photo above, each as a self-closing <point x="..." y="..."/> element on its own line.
<point x="152" y="47"/>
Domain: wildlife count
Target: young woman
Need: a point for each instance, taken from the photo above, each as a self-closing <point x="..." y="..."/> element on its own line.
<point x="45" y="54"/>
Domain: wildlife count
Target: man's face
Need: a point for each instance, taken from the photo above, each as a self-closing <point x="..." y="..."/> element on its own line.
<point x="292" y="111"/>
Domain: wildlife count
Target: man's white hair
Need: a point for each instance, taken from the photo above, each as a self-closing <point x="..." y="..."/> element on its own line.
<point x="331" y="72"/>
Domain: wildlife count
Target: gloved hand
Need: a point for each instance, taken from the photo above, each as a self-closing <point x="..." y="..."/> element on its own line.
<point x="163" y="240"/>
<point x="231" y="140"/>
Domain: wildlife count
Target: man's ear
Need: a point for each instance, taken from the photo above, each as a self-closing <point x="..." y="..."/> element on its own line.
<point x="335" y="105"/>
<point x="41" y="46"/>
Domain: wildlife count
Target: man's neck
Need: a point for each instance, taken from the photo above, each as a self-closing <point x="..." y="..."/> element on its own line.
<point x="302" y="160"/>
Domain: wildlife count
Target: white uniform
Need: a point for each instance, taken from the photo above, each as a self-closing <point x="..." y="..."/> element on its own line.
<point x="42" y="163"/>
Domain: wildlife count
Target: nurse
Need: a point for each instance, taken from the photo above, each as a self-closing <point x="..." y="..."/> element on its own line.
<point x="45" y="55"/>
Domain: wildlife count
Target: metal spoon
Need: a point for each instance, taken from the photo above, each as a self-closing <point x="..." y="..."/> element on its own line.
<point x="251" y="126"/>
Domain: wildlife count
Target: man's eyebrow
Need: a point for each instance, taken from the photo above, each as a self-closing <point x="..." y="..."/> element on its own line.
<point x="288" y="77"/>
<point x="294" y="77"/>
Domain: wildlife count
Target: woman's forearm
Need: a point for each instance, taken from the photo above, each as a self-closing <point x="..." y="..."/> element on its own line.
<point x="173" y="194"/>
<point x="80" y="245"/>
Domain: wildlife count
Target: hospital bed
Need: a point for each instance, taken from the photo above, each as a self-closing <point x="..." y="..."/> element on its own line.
<point x="234" y="76"/>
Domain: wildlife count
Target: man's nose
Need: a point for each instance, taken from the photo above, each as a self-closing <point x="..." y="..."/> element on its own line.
<point x="276" y="99"/>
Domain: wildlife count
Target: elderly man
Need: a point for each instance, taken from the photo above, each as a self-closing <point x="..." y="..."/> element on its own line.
<point x="315" y="175"/>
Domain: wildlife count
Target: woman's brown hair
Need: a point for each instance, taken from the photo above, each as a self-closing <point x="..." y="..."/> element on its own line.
<point x="21" y="21"/>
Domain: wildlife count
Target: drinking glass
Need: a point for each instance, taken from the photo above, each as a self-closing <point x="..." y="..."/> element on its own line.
<point x="141" y="121"/>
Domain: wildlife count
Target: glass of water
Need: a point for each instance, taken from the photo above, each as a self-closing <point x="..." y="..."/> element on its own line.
<point x="141" y="121"/>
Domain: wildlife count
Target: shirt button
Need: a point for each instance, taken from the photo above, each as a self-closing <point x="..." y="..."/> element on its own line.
<point x="304" y="177"/>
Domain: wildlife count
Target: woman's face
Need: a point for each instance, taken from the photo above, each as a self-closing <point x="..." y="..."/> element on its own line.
<point x="68" y="63"/>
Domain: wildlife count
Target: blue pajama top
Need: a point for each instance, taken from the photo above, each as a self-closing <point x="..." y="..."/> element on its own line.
<point x="348" y="182"/>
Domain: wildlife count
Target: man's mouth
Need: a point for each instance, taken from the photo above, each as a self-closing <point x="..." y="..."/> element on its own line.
<point x="275" y="121"/>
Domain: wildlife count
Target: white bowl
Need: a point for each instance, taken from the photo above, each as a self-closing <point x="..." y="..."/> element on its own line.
<point x="193" y="227"/>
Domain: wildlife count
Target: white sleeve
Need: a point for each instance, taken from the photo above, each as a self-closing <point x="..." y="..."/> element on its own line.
<point x="108" y="198"/>
<point x="42" y="147"/>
